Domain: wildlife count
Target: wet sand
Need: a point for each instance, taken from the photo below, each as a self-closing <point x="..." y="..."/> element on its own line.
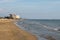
<point x="9" y="31"/>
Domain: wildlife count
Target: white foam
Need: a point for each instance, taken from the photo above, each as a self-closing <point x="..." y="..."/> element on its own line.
<point x="55" y="29"/>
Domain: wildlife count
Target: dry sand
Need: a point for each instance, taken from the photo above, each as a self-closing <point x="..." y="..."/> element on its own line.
<point x="9" y="31"/>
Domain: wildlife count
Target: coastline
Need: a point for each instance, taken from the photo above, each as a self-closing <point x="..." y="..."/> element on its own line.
<point x="31" y="30"/>
<point x="38" y="37"/>
<point x="10" y="31"/>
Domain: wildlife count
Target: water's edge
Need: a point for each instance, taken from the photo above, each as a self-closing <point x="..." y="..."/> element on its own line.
<point x="38" y="37"/>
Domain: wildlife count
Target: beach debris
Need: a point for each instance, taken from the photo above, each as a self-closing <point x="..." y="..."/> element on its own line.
<point x="50" y="37"/>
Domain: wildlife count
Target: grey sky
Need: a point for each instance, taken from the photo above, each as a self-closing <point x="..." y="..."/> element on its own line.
<point x="32" y="9"/>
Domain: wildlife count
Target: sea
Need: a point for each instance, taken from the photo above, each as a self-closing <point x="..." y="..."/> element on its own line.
<point x="43" y="29"/>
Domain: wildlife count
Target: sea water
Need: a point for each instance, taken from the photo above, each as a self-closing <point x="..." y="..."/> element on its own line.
<point x="41" y="28"/>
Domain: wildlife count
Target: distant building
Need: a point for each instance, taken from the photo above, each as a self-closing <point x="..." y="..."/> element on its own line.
<point x="17" y="16"/>
<point x="14" y="16"/>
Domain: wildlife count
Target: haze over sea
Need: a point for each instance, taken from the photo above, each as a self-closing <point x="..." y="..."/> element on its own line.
<point x="41" y="28"/>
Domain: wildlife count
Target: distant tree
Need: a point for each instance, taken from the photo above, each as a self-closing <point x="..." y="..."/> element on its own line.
<point x="7" y="17"/>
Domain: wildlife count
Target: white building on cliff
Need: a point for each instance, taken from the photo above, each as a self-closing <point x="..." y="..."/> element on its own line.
<point x="17" y="16"/>
<point x="14" y="16"/>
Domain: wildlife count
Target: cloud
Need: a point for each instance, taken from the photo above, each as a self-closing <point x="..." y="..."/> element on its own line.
<point x="4" y="1"/>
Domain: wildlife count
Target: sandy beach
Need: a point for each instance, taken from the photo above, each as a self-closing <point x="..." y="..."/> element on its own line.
<point x="9" y="31"/>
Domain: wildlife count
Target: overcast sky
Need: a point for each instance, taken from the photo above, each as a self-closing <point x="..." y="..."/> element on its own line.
<point x="32" y="9"/>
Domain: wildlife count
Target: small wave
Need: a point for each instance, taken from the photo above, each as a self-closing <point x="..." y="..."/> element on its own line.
<point x="50" y="28"/>
<point x="39" y="24"/>
<point x="55" y="29"/>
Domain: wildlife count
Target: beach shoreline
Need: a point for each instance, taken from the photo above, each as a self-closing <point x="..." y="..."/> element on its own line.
<point x="10" y="31"/>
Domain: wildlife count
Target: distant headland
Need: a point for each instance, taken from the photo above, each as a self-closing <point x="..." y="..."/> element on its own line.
<point x="11" y="16"/>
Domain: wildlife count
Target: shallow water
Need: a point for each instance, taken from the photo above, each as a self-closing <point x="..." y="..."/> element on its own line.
<point x="41" y="28"/>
